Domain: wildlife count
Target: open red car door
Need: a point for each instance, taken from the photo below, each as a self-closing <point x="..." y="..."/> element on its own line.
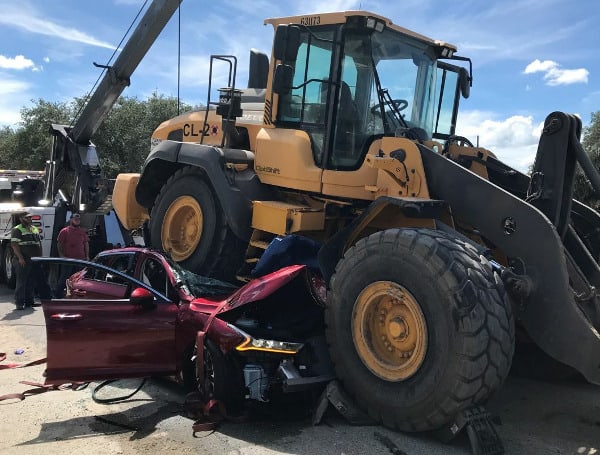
<point x="92" y="339"/>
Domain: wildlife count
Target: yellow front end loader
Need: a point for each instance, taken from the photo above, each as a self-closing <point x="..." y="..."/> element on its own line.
<point x="432" y="249"/>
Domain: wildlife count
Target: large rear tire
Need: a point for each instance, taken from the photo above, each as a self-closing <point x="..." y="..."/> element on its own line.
<point x="187" y="222"/>
<point x="419" y="327"/>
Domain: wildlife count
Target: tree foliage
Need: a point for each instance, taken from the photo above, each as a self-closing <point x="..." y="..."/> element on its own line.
<point x="591" y="144"/>
<point x="122" y="140"/>
<point x="28" y="146"/>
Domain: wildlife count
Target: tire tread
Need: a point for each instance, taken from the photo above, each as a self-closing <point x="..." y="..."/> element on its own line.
<point x="483" y="316"/>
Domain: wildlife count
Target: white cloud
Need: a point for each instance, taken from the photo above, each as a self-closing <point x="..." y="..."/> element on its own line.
<point x="513" y="140"/>
<point x="15" y="17"/>
<point x="10" y="86"/>
<point x="538" y="65"/>
<point x="17" y="63"/>
<point x="555" y="75"/>
<point x="318" y="6"/>
<point x="13" y="93"/>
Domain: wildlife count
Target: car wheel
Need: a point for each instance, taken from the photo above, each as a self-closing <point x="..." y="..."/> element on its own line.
<point x="222" y="379"/>
<point x="418" y="327"/>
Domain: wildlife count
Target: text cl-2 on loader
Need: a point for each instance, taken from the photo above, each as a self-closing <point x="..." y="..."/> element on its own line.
<point x="433" y="250"/>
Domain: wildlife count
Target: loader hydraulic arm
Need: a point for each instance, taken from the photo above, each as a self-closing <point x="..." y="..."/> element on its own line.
<point x="72" y="151"/>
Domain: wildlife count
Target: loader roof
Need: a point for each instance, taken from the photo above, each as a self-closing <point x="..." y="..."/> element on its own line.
<point x="342" y="17"/>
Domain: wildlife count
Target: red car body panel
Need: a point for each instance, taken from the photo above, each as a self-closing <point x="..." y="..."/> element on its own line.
<point x="255" y="290"/>
<point x="101" y="339"/>
<point x="106" y="338"/>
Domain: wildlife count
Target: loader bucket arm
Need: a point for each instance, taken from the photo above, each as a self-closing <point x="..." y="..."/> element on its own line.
<point x="553" y="176"/>
<point x="549" y="309"/>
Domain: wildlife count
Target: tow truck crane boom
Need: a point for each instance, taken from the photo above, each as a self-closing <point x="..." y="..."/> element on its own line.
<point x="72" y="150"/>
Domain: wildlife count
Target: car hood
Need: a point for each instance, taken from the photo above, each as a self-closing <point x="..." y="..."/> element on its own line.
<point x="255" y="290"/>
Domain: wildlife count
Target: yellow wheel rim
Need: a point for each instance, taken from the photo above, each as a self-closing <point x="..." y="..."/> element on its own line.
<point x="389" y="331"/>
<point x="182" y="228"/>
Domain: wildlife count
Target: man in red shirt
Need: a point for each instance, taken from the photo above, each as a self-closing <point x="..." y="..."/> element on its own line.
<point x="72" y="242"/>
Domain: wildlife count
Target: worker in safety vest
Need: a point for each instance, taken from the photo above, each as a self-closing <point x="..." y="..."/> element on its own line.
<point x="26" y="243"/>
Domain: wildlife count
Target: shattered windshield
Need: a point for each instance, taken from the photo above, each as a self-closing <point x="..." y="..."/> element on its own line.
<point x="198" y="285"/>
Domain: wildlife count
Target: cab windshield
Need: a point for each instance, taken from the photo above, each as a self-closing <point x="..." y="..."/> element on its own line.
<point x="387" y="88"/>
<point x="391" y="78"/>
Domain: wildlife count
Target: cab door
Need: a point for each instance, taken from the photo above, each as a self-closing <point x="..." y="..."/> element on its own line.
<point x="291" y="154"/>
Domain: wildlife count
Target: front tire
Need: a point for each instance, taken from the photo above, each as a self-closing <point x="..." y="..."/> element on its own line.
<point x="222" y="379"/>
<point x="188" y="223"/>
<point x="418" y="327"/>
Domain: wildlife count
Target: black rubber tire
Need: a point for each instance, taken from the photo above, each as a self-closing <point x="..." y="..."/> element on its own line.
<point x="470" y="326"/>
<point x="8" y="271"/>
<point x="2" y="263"/>
<point x="188" y="369"/>
<point x="219" y="253"/>
<point x="222" y="379"/>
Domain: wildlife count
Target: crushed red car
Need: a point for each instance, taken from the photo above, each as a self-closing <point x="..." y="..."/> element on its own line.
<point x="133" y="312"/>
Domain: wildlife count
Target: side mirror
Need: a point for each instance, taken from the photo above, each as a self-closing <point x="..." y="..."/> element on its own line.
<point x="282" y="80"/>
<point x="464" y="81"/>
<point x="286" y="43"/>
<point x="142" y="297"/>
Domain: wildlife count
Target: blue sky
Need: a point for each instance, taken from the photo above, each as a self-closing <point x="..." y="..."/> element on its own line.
<point x="530" y="57"/>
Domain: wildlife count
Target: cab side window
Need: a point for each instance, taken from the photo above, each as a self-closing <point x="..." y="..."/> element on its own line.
<point x="305" y="107"/>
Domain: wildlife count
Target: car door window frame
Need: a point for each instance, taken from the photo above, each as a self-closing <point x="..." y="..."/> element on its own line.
<point x="129" y="280"/>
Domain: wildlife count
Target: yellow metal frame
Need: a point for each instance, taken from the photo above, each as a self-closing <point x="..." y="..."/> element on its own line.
<point x="131" y="214"/>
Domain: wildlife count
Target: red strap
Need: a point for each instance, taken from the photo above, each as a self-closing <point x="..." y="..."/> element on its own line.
<point x="39" y="388"/>
<point x="200" y="354"/>
<point x="7" y="366"/>
<point x="213" y="413"/>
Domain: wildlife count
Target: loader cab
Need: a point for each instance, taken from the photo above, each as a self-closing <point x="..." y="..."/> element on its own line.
<point x="345" y="80"/>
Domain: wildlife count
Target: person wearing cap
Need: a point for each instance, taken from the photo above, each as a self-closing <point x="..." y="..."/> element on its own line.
<point x="26" y="243"/>
<point x="73" y="243"/>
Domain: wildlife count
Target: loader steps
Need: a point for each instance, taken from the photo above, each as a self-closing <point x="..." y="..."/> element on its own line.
<point x="259" y="242"/>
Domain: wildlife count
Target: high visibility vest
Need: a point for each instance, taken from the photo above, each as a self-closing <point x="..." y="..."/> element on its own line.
<point x="27" y="237"/>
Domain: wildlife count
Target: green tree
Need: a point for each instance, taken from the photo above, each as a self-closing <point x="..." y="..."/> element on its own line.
<point x="123" y="139"/>
<point x="591" y="144"/>
<point x="28" y="146"/>
<point x="8" y="146"/>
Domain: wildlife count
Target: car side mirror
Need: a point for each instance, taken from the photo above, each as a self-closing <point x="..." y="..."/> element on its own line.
<point x="282" y="81"/>
<point x="142" y="297"/>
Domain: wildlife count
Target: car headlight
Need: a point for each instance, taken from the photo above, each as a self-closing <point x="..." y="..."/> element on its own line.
<point x="259" y="344"/>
